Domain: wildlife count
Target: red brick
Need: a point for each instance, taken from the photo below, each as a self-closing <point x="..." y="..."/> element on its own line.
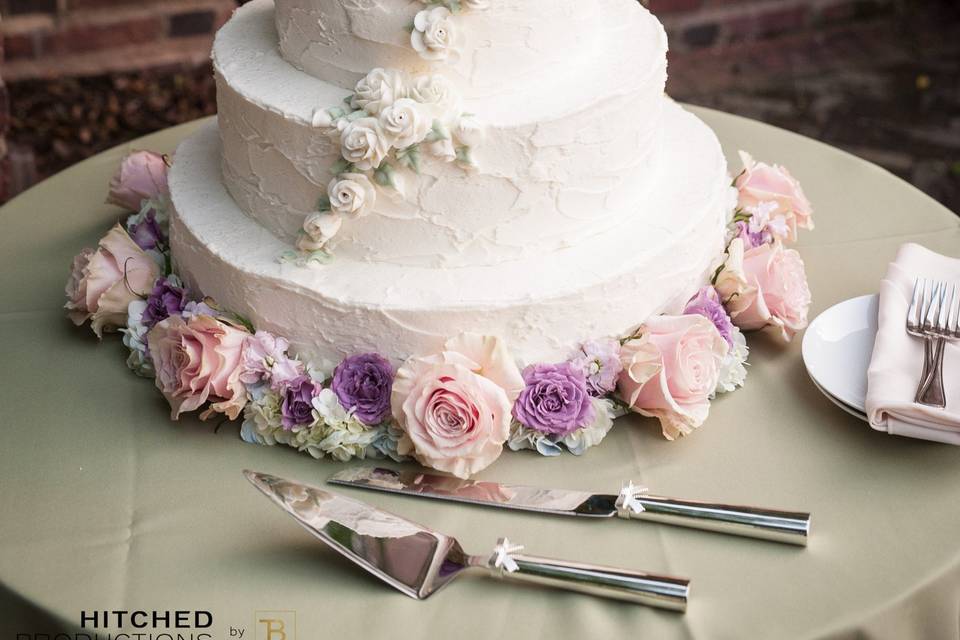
<point x="20" y="45"/>
<point x="94" y="37"/>
<point x="665" y="7"/>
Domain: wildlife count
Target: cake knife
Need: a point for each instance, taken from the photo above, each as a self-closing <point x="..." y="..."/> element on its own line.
<point x="632" y="503"/>
<point x="418" y="561"/>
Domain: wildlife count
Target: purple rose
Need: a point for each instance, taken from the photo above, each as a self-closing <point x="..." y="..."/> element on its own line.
<point x="555" y="400"/>
<point x="147" y="233"/>
<point x="707" y="303"/>
<point x="296" y="406"/>
<point x="600" y="362"/>
<point x="166" y="299"/>
<point x="362" y="384"/>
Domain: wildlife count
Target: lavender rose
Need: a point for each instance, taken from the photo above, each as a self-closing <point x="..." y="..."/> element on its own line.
<point x="707" y="304"/>
<point x="296" y="407"/>
<point x="363" y="384"/>
<point x="167" y="299"/>
<point x="555" y="399"/>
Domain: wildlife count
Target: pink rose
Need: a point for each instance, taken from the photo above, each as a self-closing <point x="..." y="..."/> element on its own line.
<point x="765" y="286"/>
<point x="489" y="357"/>
<point x="104" y="282"/>
<point x="453" y="407"/>
<point x="772" y="192"/>
<point x="671" y="371"/>
<point x="197" y="360"/>
<point x="142" y="176"/>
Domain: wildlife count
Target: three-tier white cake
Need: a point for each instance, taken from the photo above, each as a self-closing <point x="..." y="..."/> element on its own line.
<point x="589" y="201"/>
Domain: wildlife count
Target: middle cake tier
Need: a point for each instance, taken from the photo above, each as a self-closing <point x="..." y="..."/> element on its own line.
<point x="559" y="165"/>
<point x="543" y="307"/>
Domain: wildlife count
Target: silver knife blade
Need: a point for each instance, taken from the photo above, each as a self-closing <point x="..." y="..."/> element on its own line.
<point x="556" y="501"/>
<point x="406" y="555"/>
<point x="789" y="527"/>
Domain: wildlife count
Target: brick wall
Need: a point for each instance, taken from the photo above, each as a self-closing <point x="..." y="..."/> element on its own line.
<point x="4" y="125"/>
<point x="52" y="38"/>
<point x="697" y="24"/>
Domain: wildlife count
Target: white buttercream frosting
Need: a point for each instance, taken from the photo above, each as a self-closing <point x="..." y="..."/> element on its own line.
<point x="543" y="306"/>
<point x="567" y="153"/>
<point x="510" y="43"/>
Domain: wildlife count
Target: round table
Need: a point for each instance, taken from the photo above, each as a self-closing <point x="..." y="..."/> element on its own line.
<point x="105" y="504"/>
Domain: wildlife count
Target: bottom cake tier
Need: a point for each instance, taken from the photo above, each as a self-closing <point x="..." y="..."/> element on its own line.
<point x="543" y="308"/>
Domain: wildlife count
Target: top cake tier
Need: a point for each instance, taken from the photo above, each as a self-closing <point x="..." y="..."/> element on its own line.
<point x="484" y="47"/>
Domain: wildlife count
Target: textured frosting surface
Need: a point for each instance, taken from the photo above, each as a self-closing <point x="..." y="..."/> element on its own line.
<point x="512" y="43"/>
<point x="542" y="306"/>
<point x="569" y="155"/>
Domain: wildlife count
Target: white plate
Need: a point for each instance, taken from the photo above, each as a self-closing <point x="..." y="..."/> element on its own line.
<point x="845" y="407"/>
<point x="837" y="349"/>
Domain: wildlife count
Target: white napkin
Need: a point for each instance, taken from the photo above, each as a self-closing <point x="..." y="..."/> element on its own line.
<point x="898" y="357"/>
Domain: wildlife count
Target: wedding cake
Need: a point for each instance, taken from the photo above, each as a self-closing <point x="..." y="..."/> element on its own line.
<point x="385" y="174"/>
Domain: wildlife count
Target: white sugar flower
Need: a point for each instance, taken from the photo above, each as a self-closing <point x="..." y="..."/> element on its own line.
<point x="470" y="131"/>
<point x="364" y="143"/>
<point x="318" y="229"/>
<point x="352" y="194"/>
<point x="378" y="90"/>
<point x="406" y="121"/>
<point x="435" y="35"/>
<point x="435" y="90"/>
<point x="443" y="149"/>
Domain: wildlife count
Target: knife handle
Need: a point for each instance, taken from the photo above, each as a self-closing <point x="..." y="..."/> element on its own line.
<point x="664" y="592"/>
<point x="789" y="527"/>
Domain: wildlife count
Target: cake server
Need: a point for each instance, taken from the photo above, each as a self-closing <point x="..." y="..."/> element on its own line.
<point x="632" y="503"/>
<point x="418" y="561"/>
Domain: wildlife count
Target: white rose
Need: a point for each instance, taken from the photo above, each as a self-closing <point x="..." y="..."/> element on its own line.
<point x="435" y="90"/>
<point x="435" y="35"/>
<point x="470" y="131"/>
<point x="406" y="121"/>
<point x="352" y="194"/>
<point x="318" y="229"/>
<point x="364" y="143"/>
<point x="379" y="89"/>
<point x="444" y="150"/>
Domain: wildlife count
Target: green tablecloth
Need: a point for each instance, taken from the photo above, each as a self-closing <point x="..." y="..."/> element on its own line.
<point x="106" y="504"/>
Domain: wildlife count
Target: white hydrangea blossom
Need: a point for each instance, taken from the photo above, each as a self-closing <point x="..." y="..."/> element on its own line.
<point x="135" y="339"/>
<point x="733" y="369"/>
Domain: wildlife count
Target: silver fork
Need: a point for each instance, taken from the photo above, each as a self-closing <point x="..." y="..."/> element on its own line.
<point x="934" y="316"/>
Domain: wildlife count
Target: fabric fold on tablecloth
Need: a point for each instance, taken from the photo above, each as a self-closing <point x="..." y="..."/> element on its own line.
<point x="897" y="360"/>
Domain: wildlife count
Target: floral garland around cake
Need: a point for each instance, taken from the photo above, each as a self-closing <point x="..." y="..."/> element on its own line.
<point x="454" y="410"/>
<point x="383" y="130"/>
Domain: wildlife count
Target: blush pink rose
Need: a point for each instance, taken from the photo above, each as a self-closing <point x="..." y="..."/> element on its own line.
<point x="761" y="184"/>
<point x="196" y="361"/>
<point x="142" y="176"/>
<point x="765" y="286"/>
<point x="671" y="371"/>
<point x="453" y="407"/>
<point x="104" y="282"/>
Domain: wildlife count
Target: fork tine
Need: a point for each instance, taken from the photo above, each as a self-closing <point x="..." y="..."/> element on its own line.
<point x="915" y="303"/>
<point x="954" y="319"/>
<point x="930" y="307"/>
<point x="943" y="310"/>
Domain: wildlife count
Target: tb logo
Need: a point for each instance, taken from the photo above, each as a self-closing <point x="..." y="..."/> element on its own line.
<point x="276" y="625"/>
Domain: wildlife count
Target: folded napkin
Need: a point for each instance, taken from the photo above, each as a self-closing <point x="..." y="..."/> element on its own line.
<point x="898" y="357"/>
